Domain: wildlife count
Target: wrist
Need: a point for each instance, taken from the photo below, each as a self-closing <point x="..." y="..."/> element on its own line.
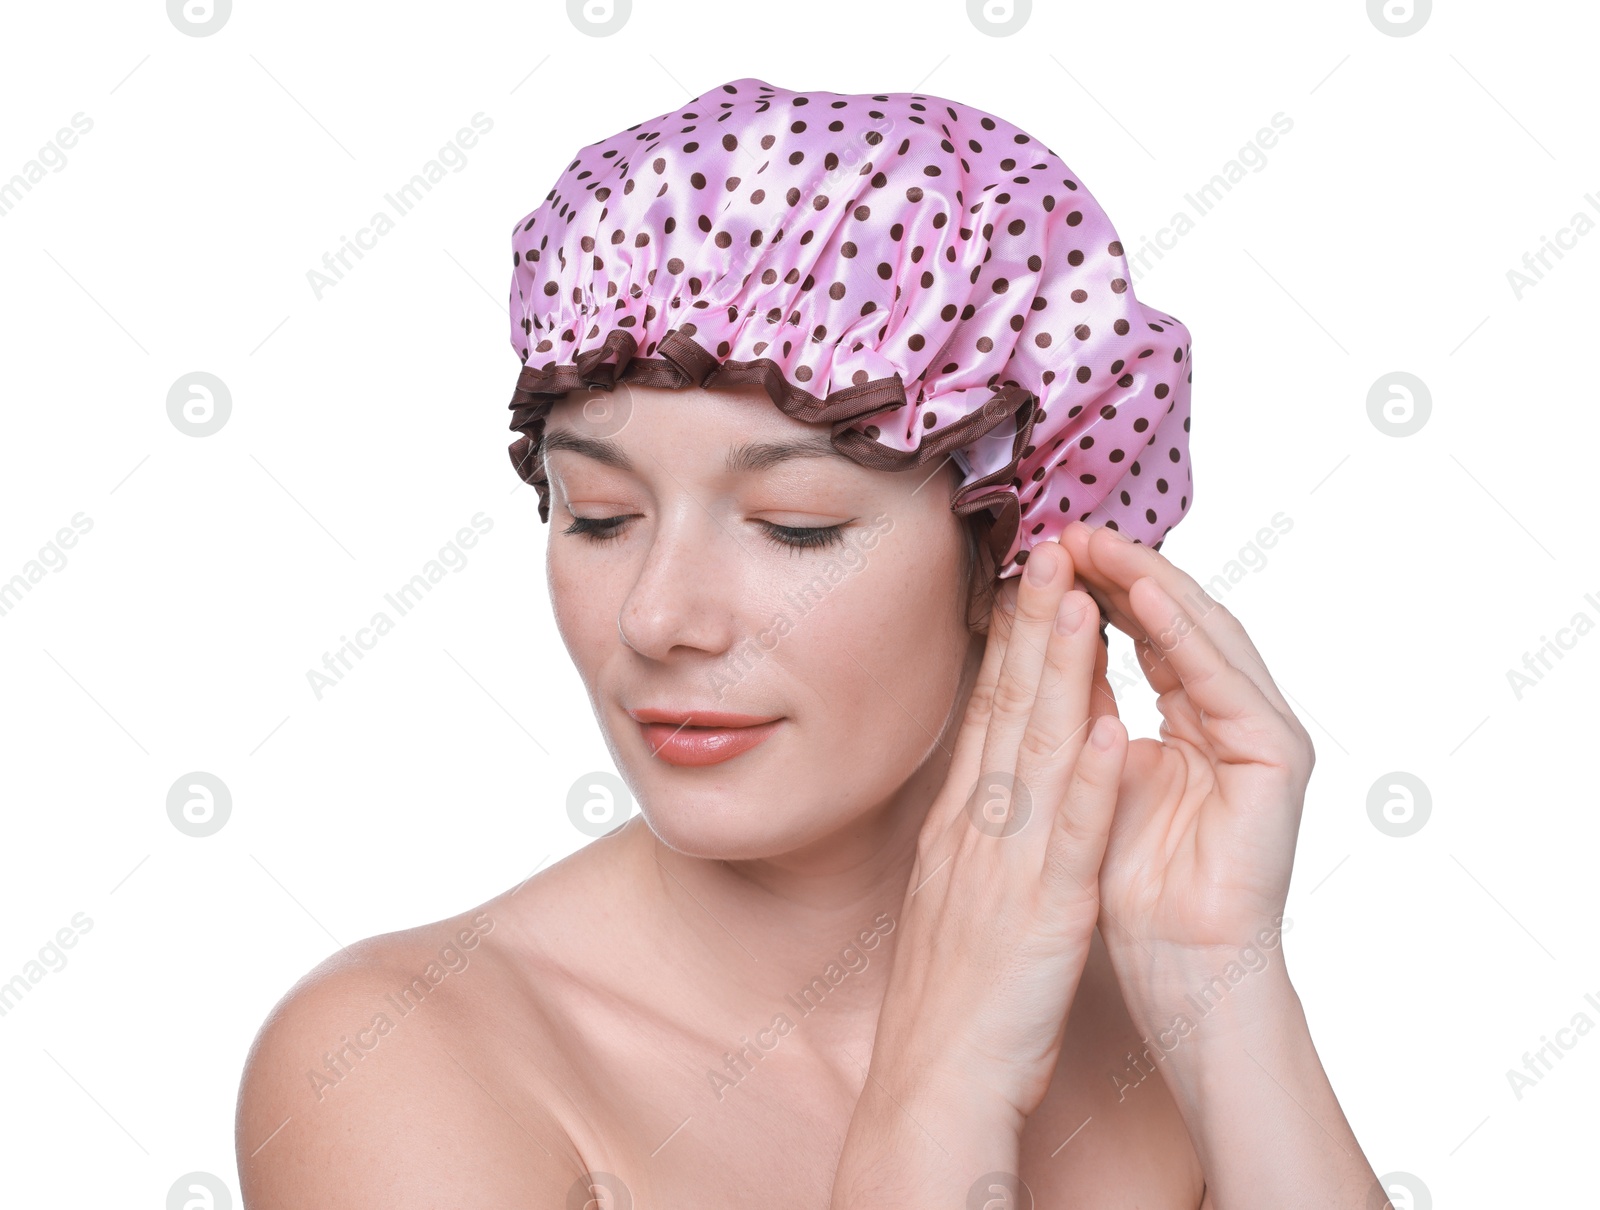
<point x="922" y="1135"/>
<point x="1196" y="1027"/>
<point x="934" y="1051"/>
<point x="1160" y="980"/>
<point x="901" y="1086"/>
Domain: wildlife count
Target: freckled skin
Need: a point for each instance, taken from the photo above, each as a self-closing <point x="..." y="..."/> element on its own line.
<point x="641" y="1008"/>
<point x="867" y="674"/>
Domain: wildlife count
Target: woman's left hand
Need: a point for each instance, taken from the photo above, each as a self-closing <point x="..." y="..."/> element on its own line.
<point x="1203" y="839"/>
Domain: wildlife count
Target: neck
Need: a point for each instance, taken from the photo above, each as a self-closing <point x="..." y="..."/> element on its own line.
<point x="810" y="933"/>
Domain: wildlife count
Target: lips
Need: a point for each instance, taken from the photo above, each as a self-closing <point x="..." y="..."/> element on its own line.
<point x="693" y="738"/>
<point x="700" y="718"/>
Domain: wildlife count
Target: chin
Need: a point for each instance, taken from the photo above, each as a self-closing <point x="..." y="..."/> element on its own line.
<point x="725" y="827"/>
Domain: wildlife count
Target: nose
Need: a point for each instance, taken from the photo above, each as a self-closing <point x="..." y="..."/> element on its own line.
<point x="681" y="595"/>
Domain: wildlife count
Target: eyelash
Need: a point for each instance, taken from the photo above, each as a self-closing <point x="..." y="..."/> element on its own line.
<point x="605" y="529"/>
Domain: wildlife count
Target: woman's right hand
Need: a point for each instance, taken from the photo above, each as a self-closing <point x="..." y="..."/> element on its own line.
<point x="1002" y="902"/>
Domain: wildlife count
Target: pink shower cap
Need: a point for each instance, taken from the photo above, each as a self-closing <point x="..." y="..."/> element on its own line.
<point x="921" y="276"/>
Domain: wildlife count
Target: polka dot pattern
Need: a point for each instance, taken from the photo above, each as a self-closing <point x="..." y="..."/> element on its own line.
<point x="921" y="276"/>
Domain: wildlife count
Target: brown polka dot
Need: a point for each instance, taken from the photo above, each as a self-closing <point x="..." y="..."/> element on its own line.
<point x="569" y="294"/>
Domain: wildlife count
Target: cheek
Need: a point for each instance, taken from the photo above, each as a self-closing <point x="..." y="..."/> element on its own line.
<point x="892" y="645"/>
<point x="584" y="610"/>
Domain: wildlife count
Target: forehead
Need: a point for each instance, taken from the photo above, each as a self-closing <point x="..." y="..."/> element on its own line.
<point x="741" y="423"/>
<point x="731" y="431"/>
<point x="721" y="411"/>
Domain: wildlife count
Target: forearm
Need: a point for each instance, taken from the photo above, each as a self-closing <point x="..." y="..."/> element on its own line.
<point x="1234" y="1048"/>
<point x="923" y="1139"/>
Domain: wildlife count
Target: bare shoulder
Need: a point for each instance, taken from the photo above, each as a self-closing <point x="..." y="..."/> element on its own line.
<point x="379" y="1079"/>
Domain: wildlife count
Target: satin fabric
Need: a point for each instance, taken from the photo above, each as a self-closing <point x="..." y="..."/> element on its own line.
<point x="924" y="278"/>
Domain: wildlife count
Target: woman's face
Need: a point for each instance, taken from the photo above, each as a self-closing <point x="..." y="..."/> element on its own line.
<point x="677" y="514"/>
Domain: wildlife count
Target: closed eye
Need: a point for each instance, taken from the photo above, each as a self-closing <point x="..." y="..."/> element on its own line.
<point x="604" y="529"/>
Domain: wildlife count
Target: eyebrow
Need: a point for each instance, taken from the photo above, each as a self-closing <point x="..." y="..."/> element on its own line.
<point x="752" y="456"/>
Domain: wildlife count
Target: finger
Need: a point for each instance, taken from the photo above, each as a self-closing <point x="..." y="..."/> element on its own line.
<point x="968" y="748"/>
<point x="1102" y="700"/>
<point x="1110" y="563"/>
<point x="1237" y="717"/>
<point x="1082" y="825"/>
<point x="1058" y="726"/>
<point x="1161" y="678"/>
<point x="1109" y="613"/>
<point x="1153" y="663"/>
<point x="1044" y="584"/>
<point x="1097" y="551"/>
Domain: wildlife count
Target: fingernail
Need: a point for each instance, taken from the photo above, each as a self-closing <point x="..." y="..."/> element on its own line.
<point x="1042" y="562"/>
<point x="1103" y="733"/>
<point x="1070" y="615"/>
<point x="1117" y="534"/>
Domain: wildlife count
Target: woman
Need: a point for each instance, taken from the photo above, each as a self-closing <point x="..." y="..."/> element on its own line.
<point x="906" y="919"/>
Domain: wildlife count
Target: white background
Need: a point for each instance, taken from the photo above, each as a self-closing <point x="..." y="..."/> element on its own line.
<point x="369" y="425"/>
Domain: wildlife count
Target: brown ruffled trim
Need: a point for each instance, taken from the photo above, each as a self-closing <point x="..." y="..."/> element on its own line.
<point x="685" y="363"/>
